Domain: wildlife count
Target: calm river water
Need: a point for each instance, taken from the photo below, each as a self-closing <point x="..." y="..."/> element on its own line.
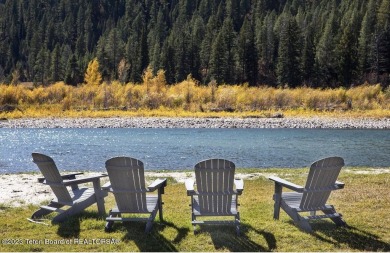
<point x="171" y="149"/>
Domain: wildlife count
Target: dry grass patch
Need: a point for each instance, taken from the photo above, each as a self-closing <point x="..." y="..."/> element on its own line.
<point x="154" y="97"/>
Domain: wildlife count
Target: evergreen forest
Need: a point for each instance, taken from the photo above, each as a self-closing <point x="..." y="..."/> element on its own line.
<point x="313" y="43"/>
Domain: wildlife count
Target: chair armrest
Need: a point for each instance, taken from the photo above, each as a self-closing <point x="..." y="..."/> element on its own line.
<point x="107" y="187"/>
<point x="83" y="180"/>
<point x="339" y="185"/>
<point x="287" y="184"/>
<point x="189" y="183"/>
<point x="158" y="183"/>
<point x="239" y="183"/>
<point x="51" y="183"/>
<point x="66" y="176"/>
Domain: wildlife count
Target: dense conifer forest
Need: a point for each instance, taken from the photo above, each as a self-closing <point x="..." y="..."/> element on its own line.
<point x="316" y="43"/>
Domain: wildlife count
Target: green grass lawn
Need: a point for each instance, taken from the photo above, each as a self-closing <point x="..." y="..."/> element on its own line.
<point x="364" y="203"/>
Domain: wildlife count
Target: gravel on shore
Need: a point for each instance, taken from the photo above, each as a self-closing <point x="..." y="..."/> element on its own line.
<point x="164" y="122"/>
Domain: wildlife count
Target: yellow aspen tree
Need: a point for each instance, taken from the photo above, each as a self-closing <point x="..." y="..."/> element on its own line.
<point x="160" y="82"/>
<point x="92" y="75"/>
<point x="147" y="77"/>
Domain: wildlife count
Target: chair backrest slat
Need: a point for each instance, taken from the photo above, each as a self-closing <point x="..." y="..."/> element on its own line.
<point x="50" y="171"/>
<point x="214" y="179"/>
<point x="320" y="182"/>
<point x="127" y="174"/>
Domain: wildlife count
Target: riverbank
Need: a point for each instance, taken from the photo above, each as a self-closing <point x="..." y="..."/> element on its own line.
<point x="362" y="203"/>
<point x="15" y="187"/>
<point x="223" y="122"/>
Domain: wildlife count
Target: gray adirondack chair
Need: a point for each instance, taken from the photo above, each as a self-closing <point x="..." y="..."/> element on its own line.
<point x="321" y="181"/>
<point x="214" y="194"/>
<point x="127" y="183"/>
<point x="75" y="199"/>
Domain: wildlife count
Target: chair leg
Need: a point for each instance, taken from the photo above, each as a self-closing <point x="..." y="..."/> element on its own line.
<point x="194" y="228"/>
<point x="339" y="221"/>
<point x="300" y="221"/>
<point x="109" y="224"/>
<point x="42" y="212"/>
<point x="108" y="227"/>
<point x="148" y="227"/>
<point x="99" y="197"/>
<point x="237" y="221"/>
<point x="277" y="198"/>
<point x="75" y="209"/>
<point x="193" y="219"/>
<point x="100" y="205"/>
<point x="305" y="226"/>
<point x="149" y="224"/>
<point x="160" y="203"/>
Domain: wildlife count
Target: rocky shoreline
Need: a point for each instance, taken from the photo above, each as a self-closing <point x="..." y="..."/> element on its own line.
<point x="164" y="122"/>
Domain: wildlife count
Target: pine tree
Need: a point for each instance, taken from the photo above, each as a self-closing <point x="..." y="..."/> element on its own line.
<point x="233" y="11"/>
<point x="326" y="58"/>
<point x="229" y="36"/>
<point x="90" y="32"/>
<point x="206" y="48"/>
<point x="39" y="67"/>
<point x="114" y="48"/>
<point x="308" y="56"/>
<point x="266" y="47"/>
<point x="218" y="59"/>
<point x="132" y="58"/>
<point x="103" y="56"/>
<point x="156" y="37"/>
<point x="288" y="67"/>
<point x="167" y="62"/>
<point x="72" y="73"/>
<point x="180" y="40"/>
<point x="366" y="39"/>
<point x="347" y="60"/>
<point x="248" y="54"/>
<point x="180" y="37"/>
<point x="66" y="54"/>
<point x="197" y="34"/>
<point x="382" y="40"/>
<point x="384" y="14"/>
<point x="55" y="68"/>
<point x="80" y="42"/>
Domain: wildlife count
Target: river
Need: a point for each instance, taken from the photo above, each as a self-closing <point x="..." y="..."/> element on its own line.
<point x="87" y="149"/>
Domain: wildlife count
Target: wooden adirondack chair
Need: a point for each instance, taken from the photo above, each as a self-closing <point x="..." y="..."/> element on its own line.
<point x="313" y="197"/>
<point x="214" y="194"/>
<point x="127" y="183"/>
<point x="77" y="199"/>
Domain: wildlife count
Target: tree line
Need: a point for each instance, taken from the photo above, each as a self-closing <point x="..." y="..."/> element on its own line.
<point x="315" y="43"/>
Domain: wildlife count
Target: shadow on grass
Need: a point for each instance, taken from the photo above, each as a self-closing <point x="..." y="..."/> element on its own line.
<point x="353" y="237"/>
<point x="154" y="241"/>
<point x="225" y="237"/>
<point x="70" y="228"/>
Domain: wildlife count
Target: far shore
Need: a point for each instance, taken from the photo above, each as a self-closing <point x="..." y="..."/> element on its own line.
<point x="193" y="122"/>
